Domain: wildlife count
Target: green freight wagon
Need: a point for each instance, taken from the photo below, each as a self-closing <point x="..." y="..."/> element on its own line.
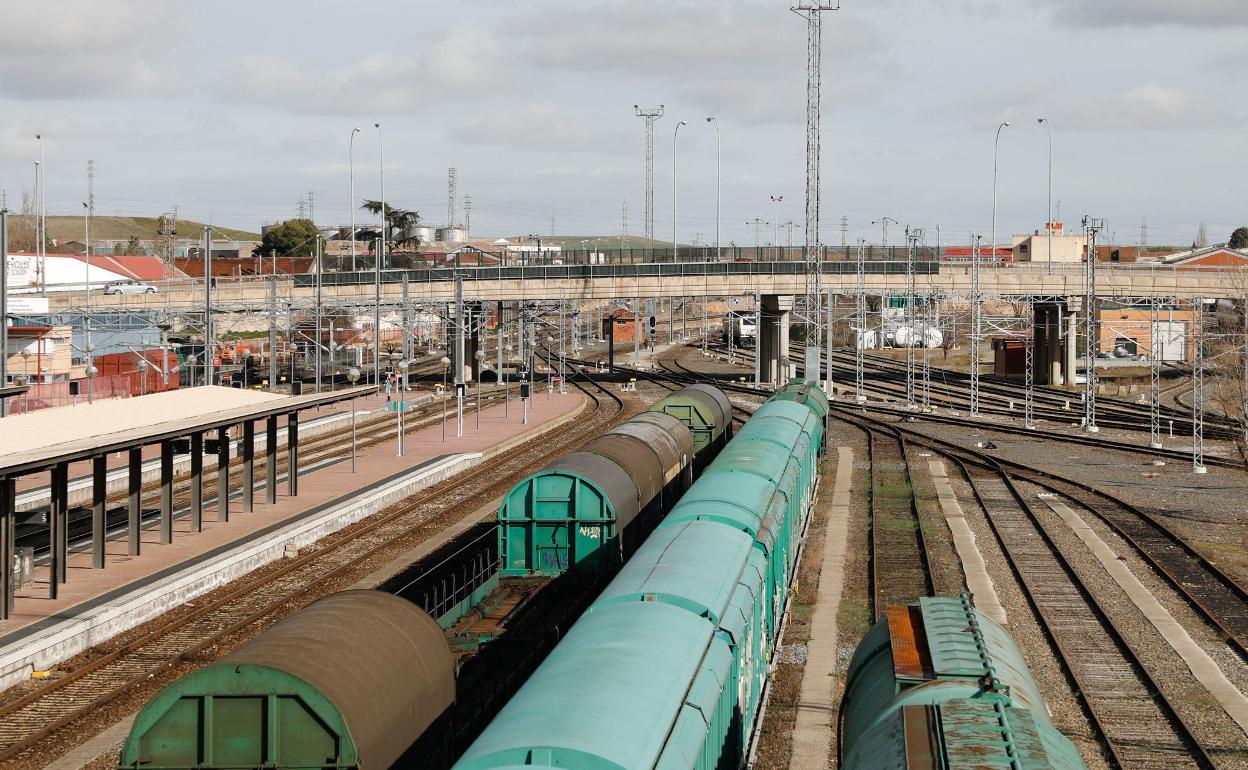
<point x="330" y="686"/>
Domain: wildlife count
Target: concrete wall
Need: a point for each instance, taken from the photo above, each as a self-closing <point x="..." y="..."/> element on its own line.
<point x="1022" y="280"/>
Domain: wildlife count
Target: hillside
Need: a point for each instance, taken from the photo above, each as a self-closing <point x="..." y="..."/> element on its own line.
<point x="61" y="229"/>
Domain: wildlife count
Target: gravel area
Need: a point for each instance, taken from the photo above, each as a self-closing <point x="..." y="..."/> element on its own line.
<point x="1206" y="510"/>
<point x="1195" y="705"/>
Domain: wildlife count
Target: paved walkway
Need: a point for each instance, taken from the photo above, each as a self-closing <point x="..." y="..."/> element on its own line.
<point x="812" y="733"/>
<point x="978" y="581"/>
<point x="324" y="482"/>
<point x="1202" y="666"/>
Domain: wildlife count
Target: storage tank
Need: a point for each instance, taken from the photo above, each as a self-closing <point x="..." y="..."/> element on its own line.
<point x="422" y="233"/>
<point x="451" y="234"/>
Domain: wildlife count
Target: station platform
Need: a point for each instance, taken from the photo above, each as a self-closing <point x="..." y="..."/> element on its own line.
<point x="96" y="604"/>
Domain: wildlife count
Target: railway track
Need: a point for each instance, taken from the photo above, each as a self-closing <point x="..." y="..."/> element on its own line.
<point x="129" y="666"/>
<point x="950" y="390"/>
<point x="1100" y="442"/>
<point x="1140" y="727"/>
<point x="900" y="572"/>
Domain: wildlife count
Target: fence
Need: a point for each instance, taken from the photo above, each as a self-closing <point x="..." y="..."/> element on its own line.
<point x="45" y="395"/>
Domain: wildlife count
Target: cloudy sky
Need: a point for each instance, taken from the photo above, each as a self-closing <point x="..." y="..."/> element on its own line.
<point x="233" y="110"/>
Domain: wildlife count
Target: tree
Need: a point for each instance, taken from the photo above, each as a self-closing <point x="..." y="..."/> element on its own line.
<point x="1239" y="238"/>
<point x="133" y="247"/>
<point x="397" y="221"/>
<point x="22" y="228"/>
<point x="294" y="237"/>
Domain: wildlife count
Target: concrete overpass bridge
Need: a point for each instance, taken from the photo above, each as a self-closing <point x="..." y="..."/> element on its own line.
<point x="1056" y="294"/>
<point x="1125" y="283"/>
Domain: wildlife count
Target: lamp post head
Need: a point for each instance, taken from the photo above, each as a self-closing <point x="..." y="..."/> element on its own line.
<point x="479" y="355"/>
<point x="353" y="375"/>
<point x="444" y="361"/>
<point x="355" y="130"/>
<point x="1042" y="120"/>
<point x="91" y="371"/>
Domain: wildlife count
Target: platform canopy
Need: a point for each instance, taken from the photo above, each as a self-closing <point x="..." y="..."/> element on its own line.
<point x="30" y="442"/>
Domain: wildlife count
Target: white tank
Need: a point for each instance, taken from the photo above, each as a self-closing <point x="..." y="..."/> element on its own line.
<point x="422" y="233"/>
<point x="453" y="234"/>
<point x="906" y="337"/>
<point x="933" y="338"/>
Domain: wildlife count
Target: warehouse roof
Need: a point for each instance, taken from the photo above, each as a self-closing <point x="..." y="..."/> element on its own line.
<point x="30" y="442"/>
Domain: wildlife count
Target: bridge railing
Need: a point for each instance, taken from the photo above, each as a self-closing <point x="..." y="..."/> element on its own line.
<point x="587" y="272"/>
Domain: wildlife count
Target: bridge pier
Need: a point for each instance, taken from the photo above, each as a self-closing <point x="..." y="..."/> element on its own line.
<point x="773" y="338"/>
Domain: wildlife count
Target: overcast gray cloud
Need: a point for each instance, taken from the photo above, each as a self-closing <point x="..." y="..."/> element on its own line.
<point x="232" y="110"/>
<point x="1121" y="13"/>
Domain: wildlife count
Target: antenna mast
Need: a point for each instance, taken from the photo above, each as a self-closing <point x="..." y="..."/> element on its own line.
<point x="650" y="115"/>
<point x="812" y="12"/>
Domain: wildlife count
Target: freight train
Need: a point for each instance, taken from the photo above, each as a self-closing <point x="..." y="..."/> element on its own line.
<point x="352" y="680"/>
<point x="667" y="667"/>
<point x="359" y="678"/>
<point x="594" y="507"/>
<point x="937" y="685"/>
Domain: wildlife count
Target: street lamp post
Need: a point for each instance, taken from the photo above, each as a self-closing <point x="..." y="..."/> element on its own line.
<point x="143" y="376"/>
<point x="550" y="384"/>
<point x="777" y="199"/>
<point x="41" y="219"/>
<point x="996" y="147"/>
<point x="506" y="387"/>
<point x="718" y="179"/>
<point x="86" y="217"/>
<point x="675" y="133"/>
<point x="353" y="375"/>
<point x="91" y="372"/>
<point x="400" y="366"/>
<point x="480" y="356"/>
<point x="446" y="365"/>
<point x="351" y="200"/>
<point x="381" y="257"/>
<point x="1049" y="222"/>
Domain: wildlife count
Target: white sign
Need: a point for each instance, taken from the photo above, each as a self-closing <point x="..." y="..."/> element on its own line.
<point x="23" y="270"/>
<point x="26" y="305"/>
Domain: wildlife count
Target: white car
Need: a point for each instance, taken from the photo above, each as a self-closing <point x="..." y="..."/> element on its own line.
<point x="129" y="287"/>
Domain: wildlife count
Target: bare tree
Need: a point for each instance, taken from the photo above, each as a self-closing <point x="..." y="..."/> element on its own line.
<point x="22" y="228"/>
